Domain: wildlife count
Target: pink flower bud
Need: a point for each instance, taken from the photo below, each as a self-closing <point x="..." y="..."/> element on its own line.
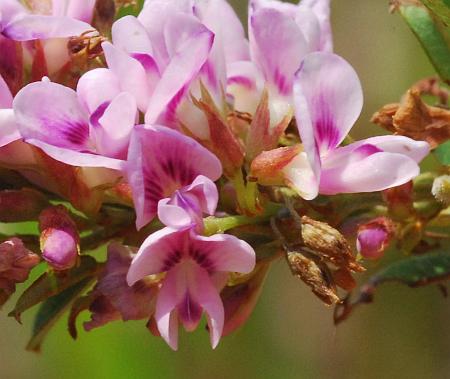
<point x="59" y="238"/>
<point x="373" y="237"/>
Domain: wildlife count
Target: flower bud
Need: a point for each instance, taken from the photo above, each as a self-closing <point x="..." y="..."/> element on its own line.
<point x="373" y="237"/>
<point x="441" y="189"/>
<point x="16" y="262"/>
<point x="59" y="238"/>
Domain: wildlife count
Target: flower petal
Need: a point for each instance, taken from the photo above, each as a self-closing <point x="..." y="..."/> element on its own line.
<point x="8" y="127"/>
<point x="207" y="296"/>
<point x="115" y="126"/>
<point x="299" y="175"/>
<point x="171" y="161"/>
<point x="51" y="113"/>
<point x="328" y="100"/>
<point x="374" y="172"/>
<point x="221" y="19"/>
<point x="187" y="206"/>
<point x="270" y="28"/>
<point x="129" y="35"/>
<point x="321" y="8"/>
<point x="97" y="87"/>
<point x="31" y="27"/>
<point x="131" y="74"/>
<point x="190" y="44"/>
<point x="170" y="295"/>
<point x="76" y="9"/>
<point x="226" y="252"/>
<point x="6" y="97"/>
<point x="155" y="253"/>
<point x="76" y="158"/>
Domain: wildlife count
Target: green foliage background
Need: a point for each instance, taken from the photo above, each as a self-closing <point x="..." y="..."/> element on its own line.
<point x="404" y="334"/>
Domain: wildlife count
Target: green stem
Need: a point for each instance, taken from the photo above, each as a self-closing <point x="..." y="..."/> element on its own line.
<point x="214" y="225"/>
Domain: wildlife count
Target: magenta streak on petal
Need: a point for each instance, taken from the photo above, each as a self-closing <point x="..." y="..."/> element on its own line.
<point x="171" y="109"/>
<point x="189" y="312"/>
<point x="98" y="113"/>
<point x="146" y="61"/>
<point x="242" y="81"/>
<point x="209" y="71"/>
<point x="283" y="84"/>
<point x="366" y="150"/>
<point x="77" y="133"/>
<point x="176" y="256"/>
<point x="327" y="134"/>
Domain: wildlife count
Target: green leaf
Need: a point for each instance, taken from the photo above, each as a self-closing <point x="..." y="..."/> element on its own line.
<point x="415" y="271"/>
<point x="443" y="153"/>
<point x="440" y="8"/>
<point x="51" y="311"/>
<point x="51" y="283"/>
<point x="424" y="27"/>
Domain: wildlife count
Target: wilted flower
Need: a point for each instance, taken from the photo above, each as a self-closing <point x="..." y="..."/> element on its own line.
<point x="16" y="262"/>
<point x="113" y="298"/>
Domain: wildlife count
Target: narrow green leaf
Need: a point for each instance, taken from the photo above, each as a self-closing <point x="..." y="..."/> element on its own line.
<point x="51" y="310"/>
<point x="422" y="24"/>
<point x="443" y="153"/>
<point x="415" y="271"/>
<point x="50" y="284"/>
<point x="440" y="8"/>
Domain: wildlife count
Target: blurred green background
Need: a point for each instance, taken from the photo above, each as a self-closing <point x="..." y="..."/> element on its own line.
<point x="404" y="334"/>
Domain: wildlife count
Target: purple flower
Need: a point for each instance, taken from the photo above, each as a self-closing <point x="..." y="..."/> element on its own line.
<point x="328" y="100"/>
<point x="196" y="268"/>
<point x="65" y="18"/>
<point x="295" y="31"/>
<point x="162" y="161"/>
<point x="87" y="128"/>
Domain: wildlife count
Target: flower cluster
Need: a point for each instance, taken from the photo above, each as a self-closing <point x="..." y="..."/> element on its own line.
<point x="176" y="121"/>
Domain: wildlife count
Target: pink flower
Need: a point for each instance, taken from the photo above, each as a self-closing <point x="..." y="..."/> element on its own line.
<point x="65" y="18"/>
<point x="187" y="205"/>
<point x="328" y="100"/>
<point x="196" y="268"/>
<point x="281" y="35"/>
<point x="87" y="128"/>
<point x="162" y="161"/>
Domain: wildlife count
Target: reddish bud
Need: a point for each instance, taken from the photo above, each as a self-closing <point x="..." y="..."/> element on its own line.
<point x="266" y="167"/>
<point x="59" y="238"/>
<point x="373" y="237"/>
